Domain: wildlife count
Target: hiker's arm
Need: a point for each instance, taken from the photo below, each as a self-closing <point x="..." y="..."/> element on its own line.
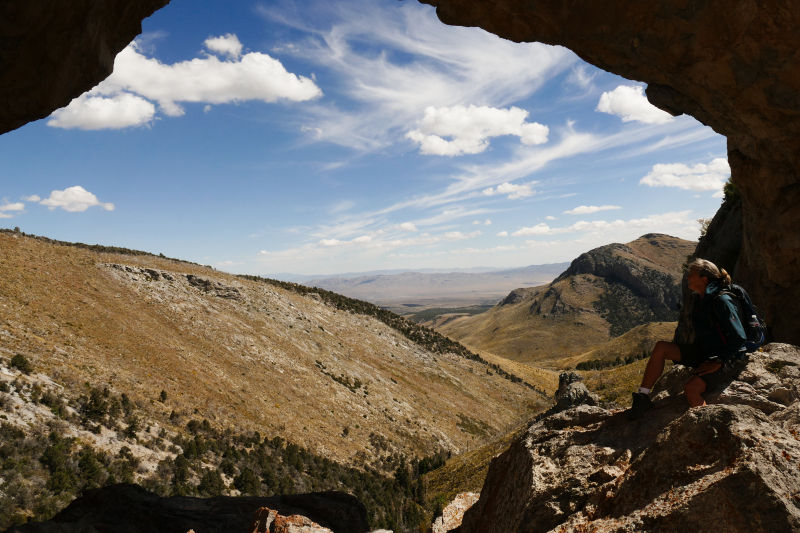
<point x="731" y="326"/>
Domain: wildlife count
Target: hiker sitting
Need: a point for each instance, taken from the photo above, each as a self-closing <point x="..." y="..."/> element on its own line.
<point x="719" y="340"/>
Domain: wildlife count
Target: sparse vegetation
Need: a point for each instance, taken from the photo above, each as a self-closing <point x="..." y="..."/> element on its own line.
<point x="624" y="309"/>
<point x="602" y="364"/>
<point x="21" y="363"/>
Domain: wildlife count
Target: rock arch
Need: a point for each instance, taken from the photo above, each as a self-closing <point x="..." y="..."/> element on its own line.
<point x="732" y="64"/>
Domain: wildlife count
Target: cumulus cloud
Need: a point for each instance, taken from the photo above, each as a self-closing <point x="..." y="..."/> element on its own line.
<point x="700" y="177"/>
<point x="513" y="191"/>
<point x="487" y="223"/>
<point x="227" y="45"/>
<point x="87" y="112"/>
<point x="32" y="198"/>
<point x="586" y="209"/>
<point x="74" y="199"/>
<point x="470" y="129"/>
<point x="407" y="226"/>
<point x="630" y="103"/>
<point x="503" y="234"/>
<point x="548" y="217"/>
<point x="125" y="98"/>
<point x="476" y="222"/>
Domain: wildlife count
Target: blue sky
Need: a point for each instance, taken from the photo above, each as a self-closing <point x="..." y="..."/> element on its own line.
<point x="341" y="136"/>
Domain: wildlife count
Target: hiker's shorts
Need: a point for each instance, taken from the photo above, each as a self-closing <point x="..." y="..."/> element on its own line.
<point x="693" y="357"/>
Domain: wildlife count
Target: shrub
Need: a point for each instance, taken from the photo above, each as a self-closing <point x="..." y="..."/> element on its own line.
<point x="21" y="363"/>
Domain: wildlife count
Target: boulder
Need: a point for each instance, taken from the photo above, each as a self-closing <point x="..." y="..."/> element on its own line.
<point x="734" y="463"/>
<point x="133" y="509"/>
<point x="454" y="513"/>
<point x="732" y="64"/>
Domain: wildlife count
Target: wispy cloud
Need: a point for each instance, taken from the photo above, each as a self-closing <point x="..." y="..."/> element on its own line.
<point x="587" y="209"/>
<point x="396" y="62"/>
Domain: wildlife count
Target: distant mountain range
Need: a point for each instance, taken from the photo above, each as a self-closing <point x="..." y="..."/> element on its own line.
<point x="302" y="278"/>
<point x="371" y="287"/>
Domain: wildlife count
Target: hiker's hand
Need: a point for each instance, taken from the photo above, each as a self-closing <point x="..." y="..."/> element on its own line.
<point x="707" y="368"/>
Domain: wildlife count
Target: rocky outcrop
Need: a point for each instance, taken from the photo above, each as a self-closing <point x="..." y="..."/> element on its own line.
<point x="619" y="263"/>
<point x="734" y="464"/>
<point x="732" y="64"/>
<point x="55" y="50"/>
<point x="266" y="520"/>
<point x="132" y="509"/>
<point x="454" y="513"/>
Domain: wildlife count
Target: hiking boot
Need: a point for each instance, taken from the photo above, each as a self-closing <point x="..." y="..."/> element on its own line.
<point x="641" y="404"/>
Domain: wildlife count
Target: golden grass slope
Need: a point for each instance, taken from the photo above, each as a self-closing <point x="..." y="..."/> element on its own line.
<point x="243" y="354"/>
<point x="633" y="343"/>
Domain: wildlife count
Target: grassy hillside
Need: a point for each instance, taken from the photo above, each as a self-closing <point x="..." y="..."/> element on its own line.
<point x="242" y="354"/>
<point x="634" y="344"/>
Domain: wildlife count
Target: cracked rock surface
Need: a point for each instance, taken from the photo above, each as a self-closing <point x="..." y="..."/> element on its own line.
<point x="733" y="465"/>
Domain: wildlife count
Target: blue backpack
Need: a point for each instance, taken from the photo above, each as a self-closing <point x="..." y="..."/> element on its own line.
<point x="753" y="325"/>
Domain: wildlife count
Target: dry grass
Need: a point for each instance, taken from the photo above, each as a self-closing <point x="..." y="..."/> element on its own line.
<point x="249" y="363"/>
<point x="616" y="384"/>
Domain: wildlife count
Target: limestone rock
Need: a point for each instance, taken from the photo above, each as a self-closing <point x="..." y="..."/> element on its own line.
<point x="55" y="50"/>
<point x="454" y="512"/>
<point x="135" y="510"/>
<point x="675" y="469"/>
<point x="732" y="64"/>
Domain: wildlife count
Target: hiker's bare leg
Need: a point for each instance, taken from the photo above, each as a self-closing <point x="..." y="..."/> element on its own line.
<point x="693" y="389"/>
<point x="655" y="366"/>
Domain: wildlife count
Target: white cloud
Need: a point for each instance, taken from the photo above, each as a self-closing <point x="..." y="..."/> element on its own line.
<point x="470" y="129"/>
<point x="123" y="99"/>
<point x="719" y="194"/>
<point x="514" y="191"/>
<point x="476" y="222"/>
<point x="263" y="252"/>
<point x="421" y="64"/>
<point x="503" y="234"/>
<point x="548" y="217"/>
<point x="407" y="226"/>
<point x="18" y="208"/>
<point x="586" y="209"/>
<point x="580" y="77"/>
<point x="336" y="242"/>
<point x="700" y="177"/>
<point x="74" y="199"/>
<point x="672" y="219"/>
<point x="32" y="198"/>
<point x="88" y="112"/>
<point x="630" y="103"/>
<point x="227" y="45"/>
<point x="228" y="263"/>
<point x="487" y="223"/>
<point x="207" y="109"/>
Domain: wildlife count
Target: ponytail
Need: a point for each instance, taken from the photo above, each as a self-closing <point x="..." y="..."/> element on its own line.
<point x="707" y="269"/>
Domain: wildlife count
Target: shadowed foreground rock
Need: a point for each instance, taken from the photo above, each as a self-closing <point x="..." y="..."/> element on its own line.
<point x="132" y="509"/>
<point x="732" y="64"/>
<point x="733" y="466"/>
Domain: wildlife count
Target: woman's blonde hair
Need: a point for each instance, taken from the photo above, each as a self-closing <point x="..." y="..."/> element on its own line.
<point x="707" y="269"/>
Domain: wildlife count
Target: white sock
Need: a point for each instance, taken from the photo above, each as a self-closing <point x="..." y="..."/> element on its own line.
<point x="642" y="390"/>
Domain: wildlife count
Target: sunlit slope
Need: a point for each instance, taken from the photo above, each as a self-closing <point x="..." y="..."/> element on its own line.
<point x="243" y="354"/>
<point x="605" y="293"/>
<point x="635" y="343"/>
